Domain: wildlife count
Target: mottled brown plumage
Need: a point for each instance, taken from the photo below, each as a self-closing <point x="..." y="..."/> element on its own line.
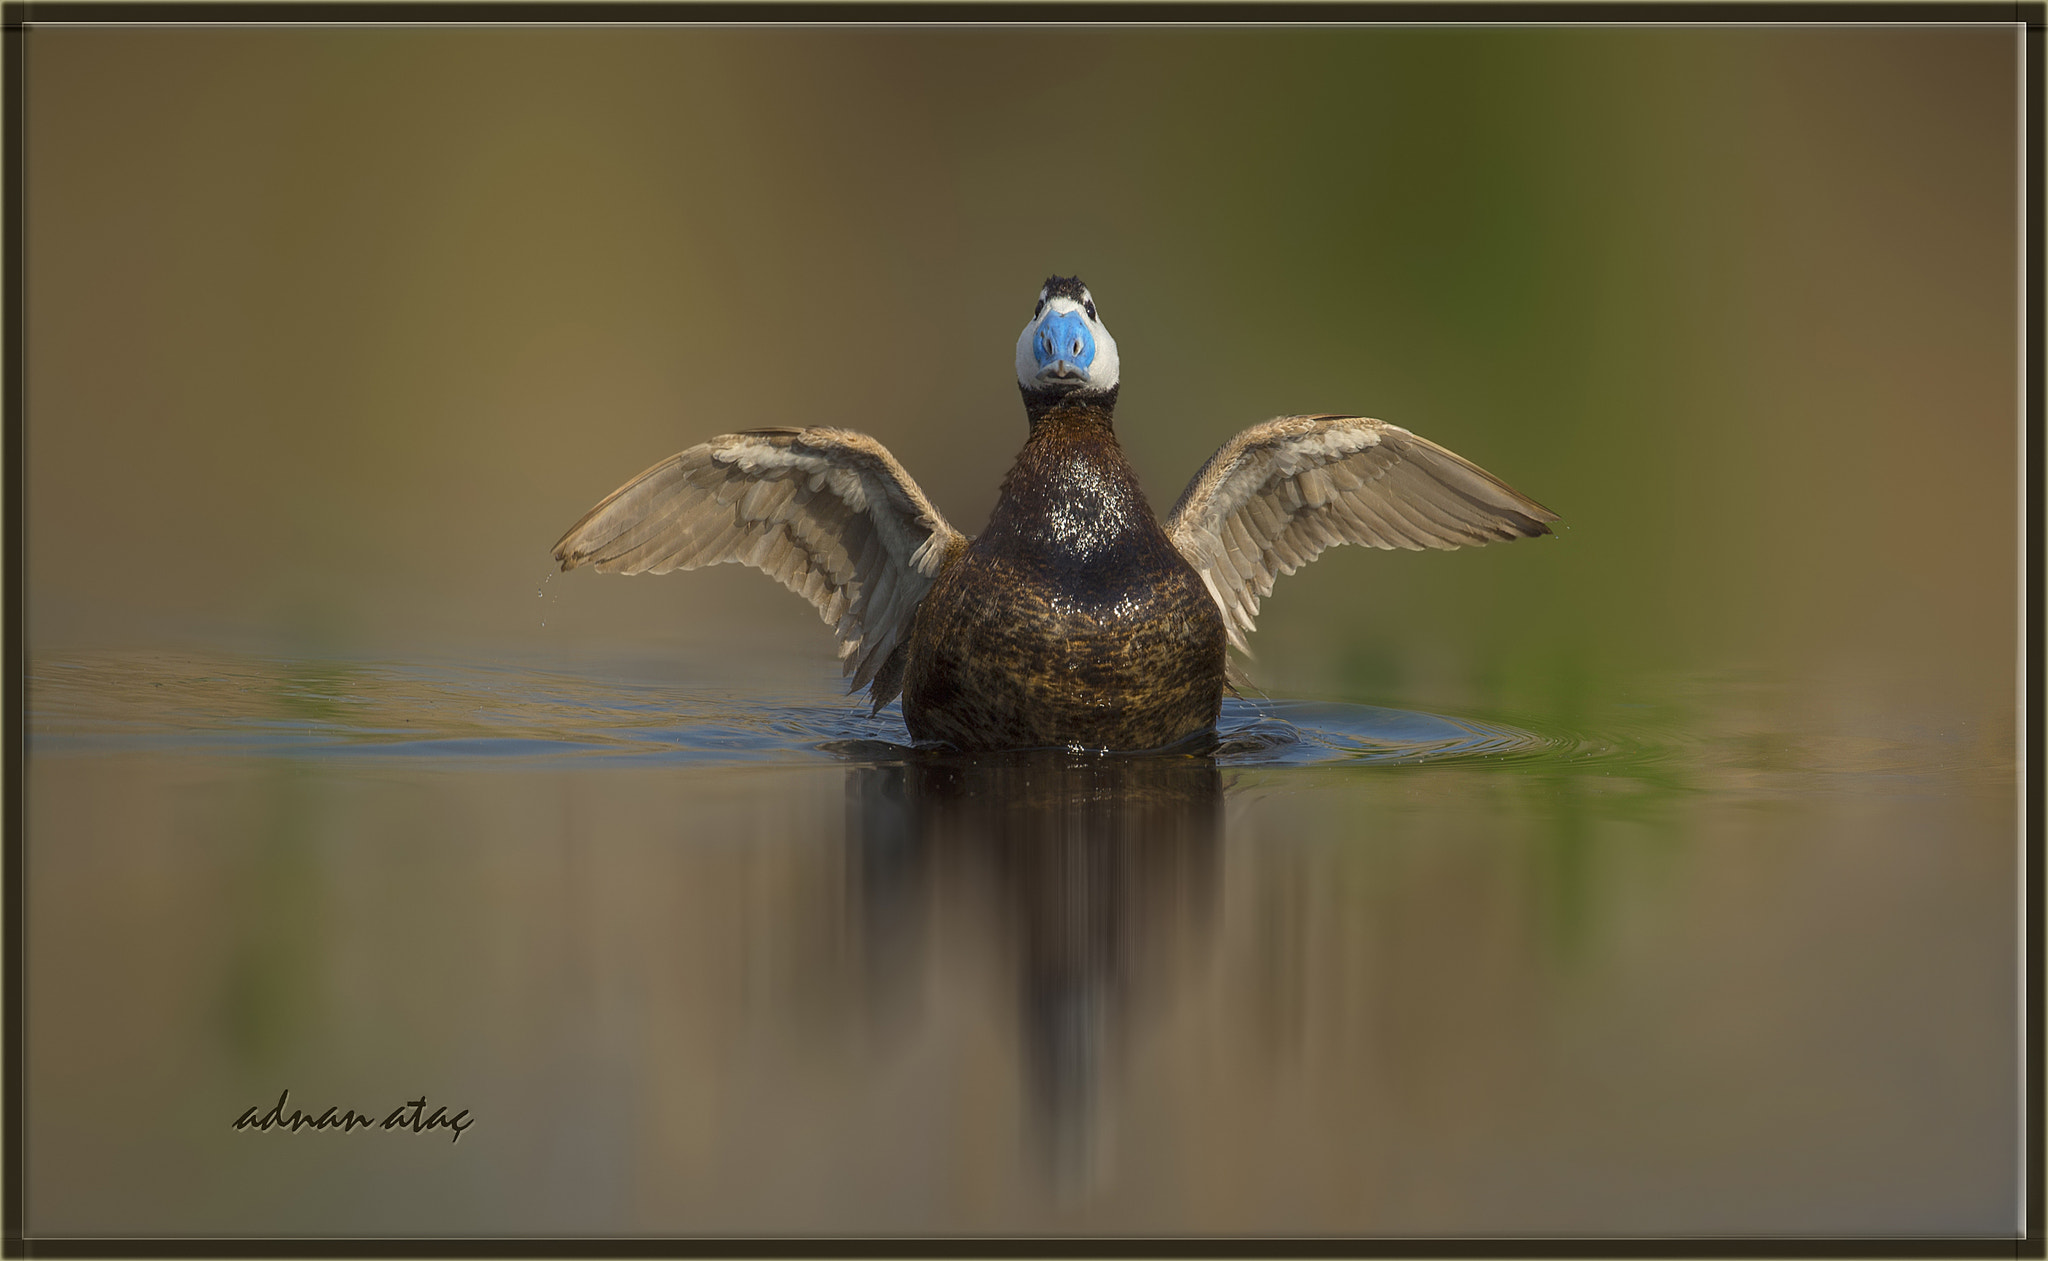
<point x="1071" y="620"/>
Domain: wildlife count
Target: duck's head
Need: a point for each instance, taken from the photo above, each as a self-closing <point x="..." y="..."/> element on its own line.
<point x="1064" y="349"/>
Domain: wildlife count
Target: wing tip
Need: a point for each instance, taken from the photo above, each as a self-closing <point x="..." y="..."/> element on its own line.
<point x="1521" y="525"/>
<point x="572" y="550"/>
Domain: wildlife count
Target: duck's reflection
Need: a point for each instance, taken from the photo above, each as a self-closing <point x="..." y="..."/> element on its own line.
<point x="1096" y="874"/>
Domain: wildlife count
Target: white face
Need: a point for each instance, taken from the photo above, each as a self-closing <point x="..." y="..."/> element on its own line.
<point x="1064" y="346"/>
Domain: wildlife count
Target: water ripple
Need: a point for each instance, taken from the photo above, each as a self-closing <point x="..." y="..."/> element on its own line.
<point x="383" y="709"/>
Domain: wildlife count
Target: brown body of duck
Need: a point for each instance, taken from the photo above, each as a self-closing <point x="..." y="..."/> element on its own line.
<point x="1077" y="618"/>
<point x="1071" y="620"/>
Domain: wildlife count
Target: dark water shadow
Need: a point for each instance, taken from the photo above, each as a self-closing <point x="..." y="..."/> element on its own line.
<point x="1093" y="875"/>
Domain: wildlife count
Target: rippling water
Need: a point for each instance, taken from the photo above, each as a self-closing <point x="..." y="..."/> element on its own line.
<point x="396" y="709"/>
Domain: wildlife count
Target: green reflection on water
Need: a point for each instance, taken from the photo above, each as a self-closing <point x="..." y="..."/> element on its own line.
<point x="315" y="690"/>
<point x="272" y="977"/>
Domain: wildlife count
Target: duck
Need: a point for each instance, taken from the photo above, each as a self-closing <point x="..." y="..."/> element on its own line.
<point x="1077" y="619"/>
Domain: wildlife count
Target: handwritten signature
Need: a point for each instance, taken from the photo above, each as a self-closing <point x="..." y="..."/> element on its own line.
<point x="410" y="1115"/>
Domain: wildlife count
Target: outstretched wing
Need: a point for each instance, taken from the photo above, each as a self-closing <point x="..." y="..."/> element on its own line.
<point x="828" y="513"/>
<point x="1277" y="494"/>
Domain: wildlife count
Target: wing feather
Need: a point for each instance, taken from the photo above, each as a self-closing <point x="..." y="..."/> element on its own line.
<point x="828" y="513"/>
<point x="1276" y="496"/>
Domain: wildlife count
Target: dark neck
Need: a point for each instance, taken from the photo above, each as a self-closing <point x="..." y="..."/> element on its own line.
<point x="1072" y="497"/>
<point x="1068" y="407"/>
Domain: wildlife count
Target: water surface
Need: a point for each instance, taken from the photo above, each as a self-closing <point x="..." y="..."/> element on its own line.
<point x="702" y="959"/>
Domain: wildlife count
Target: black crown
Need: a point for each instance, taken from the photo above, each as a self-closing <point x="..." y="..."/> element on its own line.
<point x="1064" y="287"/>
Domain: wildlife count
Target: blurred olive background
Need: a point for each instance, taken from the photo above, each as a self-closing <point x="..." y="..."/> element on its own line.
<point x="333" y="332"/>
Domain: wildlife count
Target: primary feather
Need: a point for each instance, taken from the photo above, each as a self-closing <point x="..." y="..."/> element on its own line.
<point x="828" y="513"/>
<point x="1273" y="497"/>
